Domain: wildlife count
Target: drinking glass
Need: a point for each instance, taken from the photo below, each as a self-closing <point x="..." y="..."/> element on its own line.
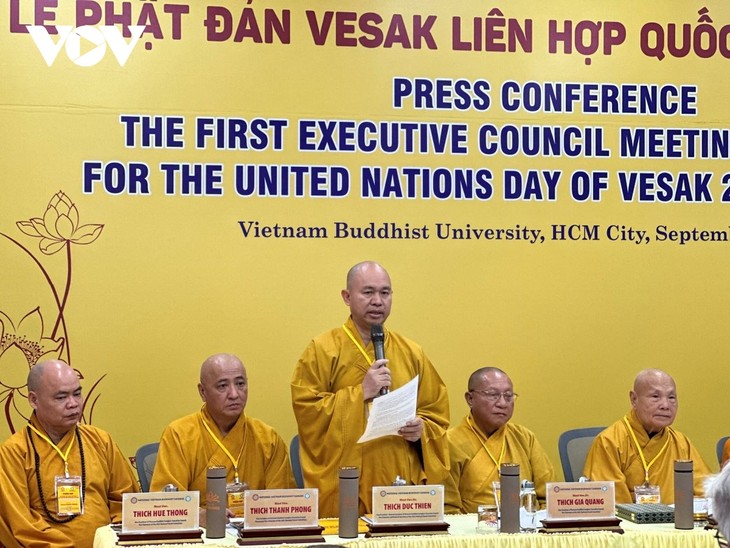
<point x="497" y="490"/>
<point x="529" y="504"/>
<point x="487" y="521"/>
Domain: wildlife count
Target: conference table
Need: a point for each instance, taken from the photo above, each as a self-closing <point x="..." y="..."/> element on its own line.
<point x="462" y="534"/>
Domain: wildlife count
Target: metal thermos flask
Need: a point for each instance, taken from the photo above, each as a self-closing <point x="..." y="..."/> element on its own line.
<point x="509" y="478"/>
<point x="683" y="495"/>
<point x="215" y="503"/>
<point x="349" y="501"/>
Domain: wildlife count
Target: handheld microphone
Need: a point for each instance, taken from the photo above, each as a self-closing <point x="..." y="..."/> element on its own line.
<point x="378" y="338"/>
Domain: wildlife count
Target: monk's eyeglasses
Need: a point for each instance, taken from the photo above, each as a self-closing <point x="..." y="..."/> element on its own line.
<point x="493" y="396"/>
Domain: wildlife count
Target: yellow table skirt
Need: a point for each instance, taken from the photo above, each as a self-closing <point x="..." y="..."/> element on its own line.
<point x="462" y="534"/>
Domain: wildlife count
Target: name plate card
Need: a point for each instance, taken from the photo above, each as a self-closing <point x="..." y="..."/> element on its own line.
<point x="581" y="500"/>
<point x="403" y="504"/>
<point x="281" y="508"/>
<point x="160" y="512"/>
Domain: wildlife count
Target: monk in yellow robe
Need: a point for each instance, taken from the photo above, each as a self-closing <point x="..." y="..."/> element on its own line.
<point x="642" y="446"/>
<point x="30" y="463"/>
<point x="334" y="383"/>
<point x="485" y="439"/>
<point x="220" y="434"/>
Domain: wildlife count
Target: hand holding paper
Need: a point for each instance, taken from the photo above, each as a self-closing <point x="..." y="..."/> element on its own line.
<point x="394" y="412"/>
<point x="412" y="430"/>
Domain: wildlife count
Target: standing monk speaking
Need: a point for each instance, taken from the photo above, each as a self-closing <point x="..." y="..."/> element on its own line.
<point x="334" y="383"/>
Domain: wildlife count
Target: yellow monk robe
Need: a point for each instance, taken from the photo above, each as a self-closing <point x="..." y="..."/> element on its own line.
<point x="331" y="414"/>
<point x="613" y="457"/>
<point x="187" y="450"/>
<point x="23" y="521"/>
<point x="473" y="470"/>
<point x="726" y="453"/>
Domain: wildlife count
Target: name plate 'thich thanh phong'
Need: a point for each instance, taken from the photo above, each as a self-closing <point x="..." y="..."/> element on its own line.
<point x="281" y="508"/>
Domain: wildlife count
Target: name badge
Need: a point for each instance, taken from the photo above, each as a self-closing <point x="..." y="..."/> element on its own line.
<point x="647" y="494"/>
<point x="236" y="501"/>
<point x="69" y="496"/>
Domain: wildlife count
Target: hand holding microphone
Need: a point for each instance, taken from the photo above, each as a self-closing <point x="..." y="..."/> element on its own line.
<point x="377" y="379"/>
<point x="378" y="337"/>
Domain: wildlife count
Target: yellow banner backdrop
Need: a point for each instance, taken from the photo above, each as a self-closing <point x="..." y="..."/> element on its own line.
<point x="547" y="184"/>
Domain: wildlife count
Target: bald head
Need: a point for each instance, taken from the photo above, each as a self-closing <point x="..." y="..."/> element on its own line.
<point x="224" y="389"/>
<point x="361" y="268"/>
<point x="654" y="399"/>
<point x="55" y="368"/>
<point x="476" y="379"/>
<point x="54" y="393"/>
<point x="214" y="363"/>
<point x="647" y="377"/>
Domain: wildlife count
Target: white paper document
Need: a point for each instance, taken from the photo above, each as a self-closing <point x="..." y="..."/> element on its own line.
<point x="391" y="412"/>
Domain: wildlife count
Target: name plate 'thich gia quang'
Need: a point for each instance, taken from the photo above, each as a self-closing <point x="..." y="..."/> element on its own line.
<point x="580" y="501"/>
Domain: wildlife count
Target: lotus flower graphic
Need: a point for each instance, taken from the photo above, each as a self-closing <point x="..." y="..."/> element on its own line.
<point x="24" y="342"/>
<point x="59" y="226"/>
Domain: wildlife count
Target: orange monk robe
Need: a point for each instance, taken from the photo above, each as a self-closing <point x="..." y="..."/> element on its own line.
<point x="726" y="453"/>
<point x="331" y="414"/>
<point x="23" y="521"/>
<point x="613" y="457"/>
<point x="473" y="470"/>
<point x="187" y="450"/>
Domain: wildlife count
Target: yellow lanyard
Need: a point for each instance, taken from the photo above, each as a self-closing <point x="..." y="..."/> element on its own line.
<point x="368" y="359"/>
<point x="641" y="453"/>
<point x="496" y="462"/>
<point x="228" y="453"/>
<point x="64" y="456"/>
